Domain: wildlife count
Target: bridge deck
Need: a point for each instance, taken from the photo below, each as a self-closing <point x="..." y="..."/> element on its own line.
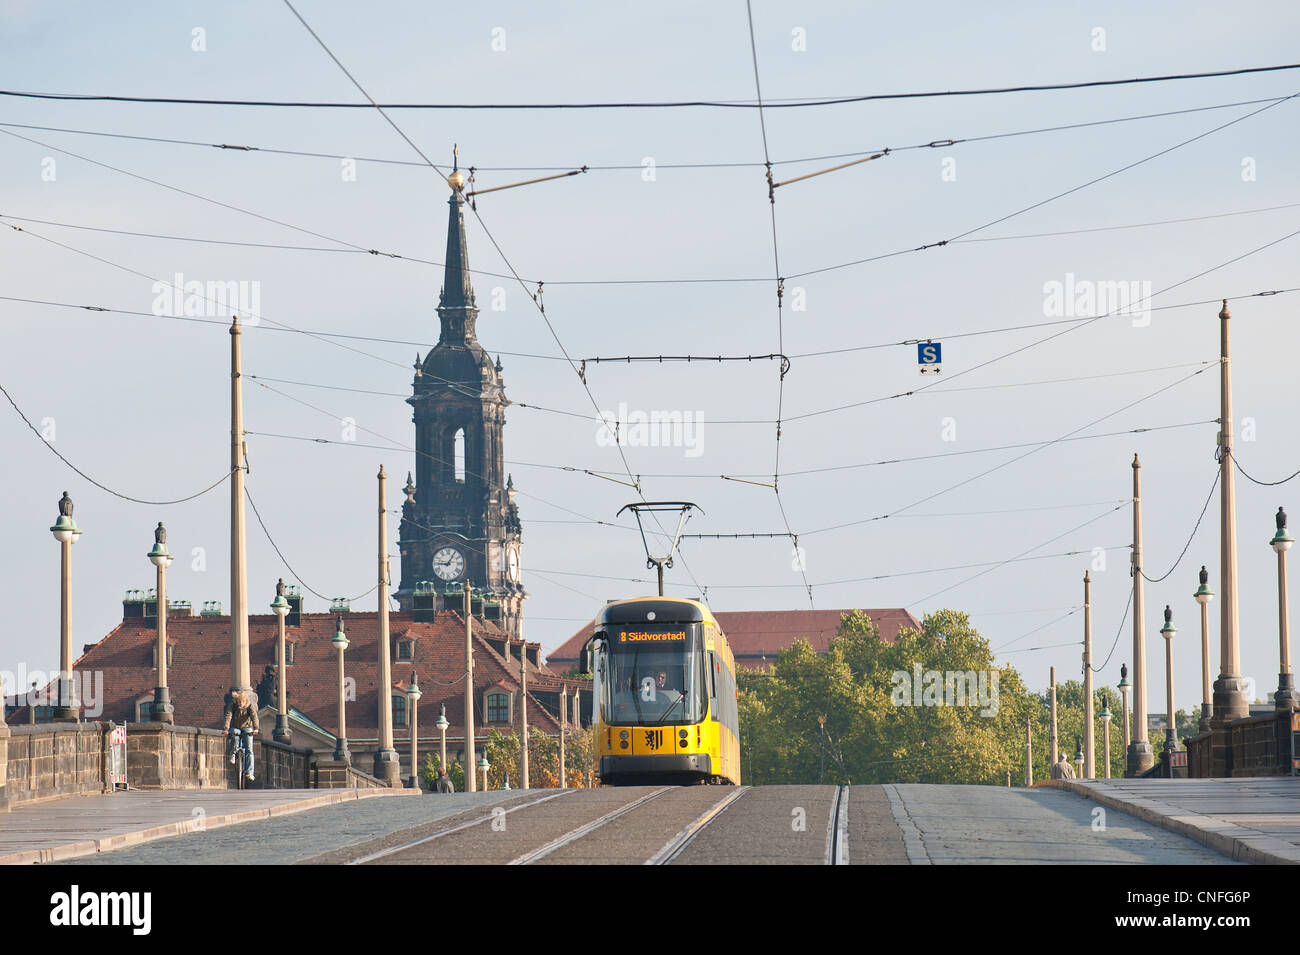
<point x="1255" y="819"/>
<point x="78" y="826"/>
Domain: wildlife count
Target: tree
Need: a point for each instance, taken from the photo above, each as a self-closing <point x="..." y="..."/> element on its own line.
<point x="931" y="707"/>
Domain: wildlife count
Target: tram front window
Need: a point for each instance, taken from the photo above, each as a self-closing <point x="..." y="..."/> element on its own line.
<point x="654" y="686"/>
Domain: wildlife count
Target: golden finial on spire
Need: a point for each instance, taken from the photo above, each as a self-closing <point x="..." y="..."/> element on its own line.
<point x="456" y="180"/>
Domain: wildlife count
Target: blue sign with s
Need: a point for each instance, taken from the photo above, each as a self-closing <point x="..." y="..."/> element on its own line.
<point x="929" y="353"/>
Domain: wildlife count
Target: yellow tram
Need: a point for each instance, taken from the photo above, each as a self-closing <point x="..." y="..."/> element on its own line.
<point x="664" y="685"/>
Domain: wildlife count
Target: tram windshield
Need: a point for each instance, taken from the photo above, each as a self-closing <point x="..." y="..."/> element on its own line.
<point x="654" y="677"/>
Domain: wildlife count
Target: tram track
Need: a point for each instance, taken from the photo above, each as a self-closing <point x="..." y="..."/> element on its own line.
<point x="528" y="858"/>
<point x="678" y="843"/>
<point x="837" y="836"/>
<point x="494" y="814"/>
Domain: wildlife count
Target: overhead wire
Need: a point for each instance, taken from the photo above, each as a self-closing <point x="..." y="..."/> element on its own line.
<point x="104" y="487"/>
<point x="786" y="103"/>
<point x="244" y="149"/>
<point x="780" y="314"/>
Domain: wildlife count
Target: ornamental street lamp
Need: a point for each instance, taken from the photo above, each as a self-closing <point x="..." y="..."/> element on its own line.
<point x="1078" y="757"/>
<point x="280" y="607"/>
<point x="413" y="695"/>
<point x="483" y="766"/>
<point x="1203" y="597"/>
<point x="341" y="746"/>
<point x="1124" y="686"/>
<point x="1171" y="727"/>
<point x="1285" y="699"/>
<point x="67" y="533"/>
<point x="442" y="725"/>
<point x="1104" y="716"/>
<point x="162" y="710"/>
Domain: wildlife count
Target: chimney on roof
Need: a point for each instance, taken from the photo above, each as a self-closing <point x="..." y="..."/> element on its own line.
<point x="293" y="595"/>
<point x="424" y="601"/>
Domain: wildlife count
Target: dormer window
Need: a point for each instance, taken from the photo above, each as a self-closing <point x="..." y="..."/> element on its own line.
<point x="498" y="707"/>
<point x="171" y="653"/>
<point x="405" y="651"/>
<point x="289" y="648"/>
<point x="399" y="709"/>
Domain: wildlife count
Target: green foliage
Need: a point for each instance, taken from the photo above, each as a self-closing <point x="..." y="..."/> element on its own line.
<point x="1069" y="727"/>
<point x="874" y="734"/>
<point x="432" y="765"/>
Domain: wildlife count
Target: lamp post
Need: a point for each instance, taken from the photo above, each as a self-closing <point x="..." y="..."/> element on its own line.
<point x="413" y="695"/>
<point x="66" y="532"/>
<point x="162" y="710"/>
<point x="1203" y="597"/>
<point x="484" y="766"/>
<point x="1139" y="756"/>
<point x="1053" y="741"/>
<point x="1104" y="716"/>
<point x="280" y="607"/>
<point x="1124" y="686"/>
<point x="469" y="689"/>
<point x="1230" y="701"/>
<point x="341" y="746"/>
<point x="1171" y="727"/>
<point x="442" y="725"/>
<point x="821" y="767"/>
<point x="1089" y="730"/>
<point x="1285" y="698"/>
<point x="523" y="713"/>
<point x="1078" y="757"/>
<point x="1029" y="752"/>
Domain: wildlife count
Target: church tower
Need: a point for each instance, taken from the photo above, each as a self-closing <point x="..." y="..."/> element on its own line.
<point x="460" y="525"/>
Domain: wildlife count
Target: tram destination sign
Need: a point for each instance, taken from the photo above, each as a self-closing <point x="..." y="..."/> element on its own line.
<point x="651" y="636"/>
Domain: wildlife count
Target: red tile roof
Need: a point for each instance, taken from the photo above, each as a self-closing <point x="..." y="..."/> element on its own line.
<point x="199" y="674"/>
<point x="755" y="634"/>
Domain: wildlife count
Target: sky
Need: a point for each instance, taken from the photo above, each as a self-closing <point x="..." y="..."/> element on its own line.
<point x="670" y="252"/>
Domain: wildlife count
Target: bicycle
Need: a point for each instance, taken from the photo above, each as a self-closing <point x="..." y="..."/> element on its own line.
<point x="238" y="757"/>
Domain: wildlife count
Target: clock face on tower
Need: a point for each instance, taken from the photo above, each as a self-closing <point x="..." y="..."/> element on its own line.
<point x="448" y="563"/>
<point x="512" y="564"/>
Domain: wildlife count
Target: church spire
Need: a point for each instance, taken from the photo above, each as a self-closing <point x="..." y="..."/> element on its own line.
<point x="456" y="308"/>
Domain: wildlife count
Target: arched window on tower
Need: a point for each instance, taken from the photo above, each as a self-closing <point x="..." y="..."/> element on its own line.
<point x="460" y="456"/>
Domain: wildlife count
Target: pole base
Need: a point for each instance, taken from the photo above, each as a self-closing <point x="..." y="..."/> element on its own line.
<point x="282" y="733"/>
<point x="1230" y="700"/>
<point x="1207" y="715"/>
<point x="341" y="753"/>
<point x="161" y="709"/>
<point x="1139" y="758"/>
<point x="388" y="768"/>
<point x="1285" y="699"/>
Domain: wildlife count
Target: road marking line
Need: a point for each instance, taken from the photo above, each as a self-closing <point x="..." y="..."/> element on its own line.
<point x="530" y="857"/>
<point x="446" y="832"/>
<point x="684" y="838"/>
<point x="912" y="841"/>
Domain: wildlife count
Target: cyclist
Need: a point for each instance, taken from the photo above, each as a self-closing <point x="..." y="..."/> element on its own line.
<point x="241" y="714"/>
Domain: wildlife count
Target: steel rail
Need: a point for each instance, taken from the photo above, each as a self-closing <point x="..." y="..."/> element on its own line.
<point x="464" y="825"/>
<point x="678" y="843"/>
<point x="837" y="839"/>
<point x="528" y="858"/>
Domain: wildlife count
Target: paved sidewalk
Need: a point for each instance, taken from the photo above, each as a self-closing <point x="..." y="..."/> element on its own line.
<point x="79" y="826"/>
<point x="1255" y="819"/>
